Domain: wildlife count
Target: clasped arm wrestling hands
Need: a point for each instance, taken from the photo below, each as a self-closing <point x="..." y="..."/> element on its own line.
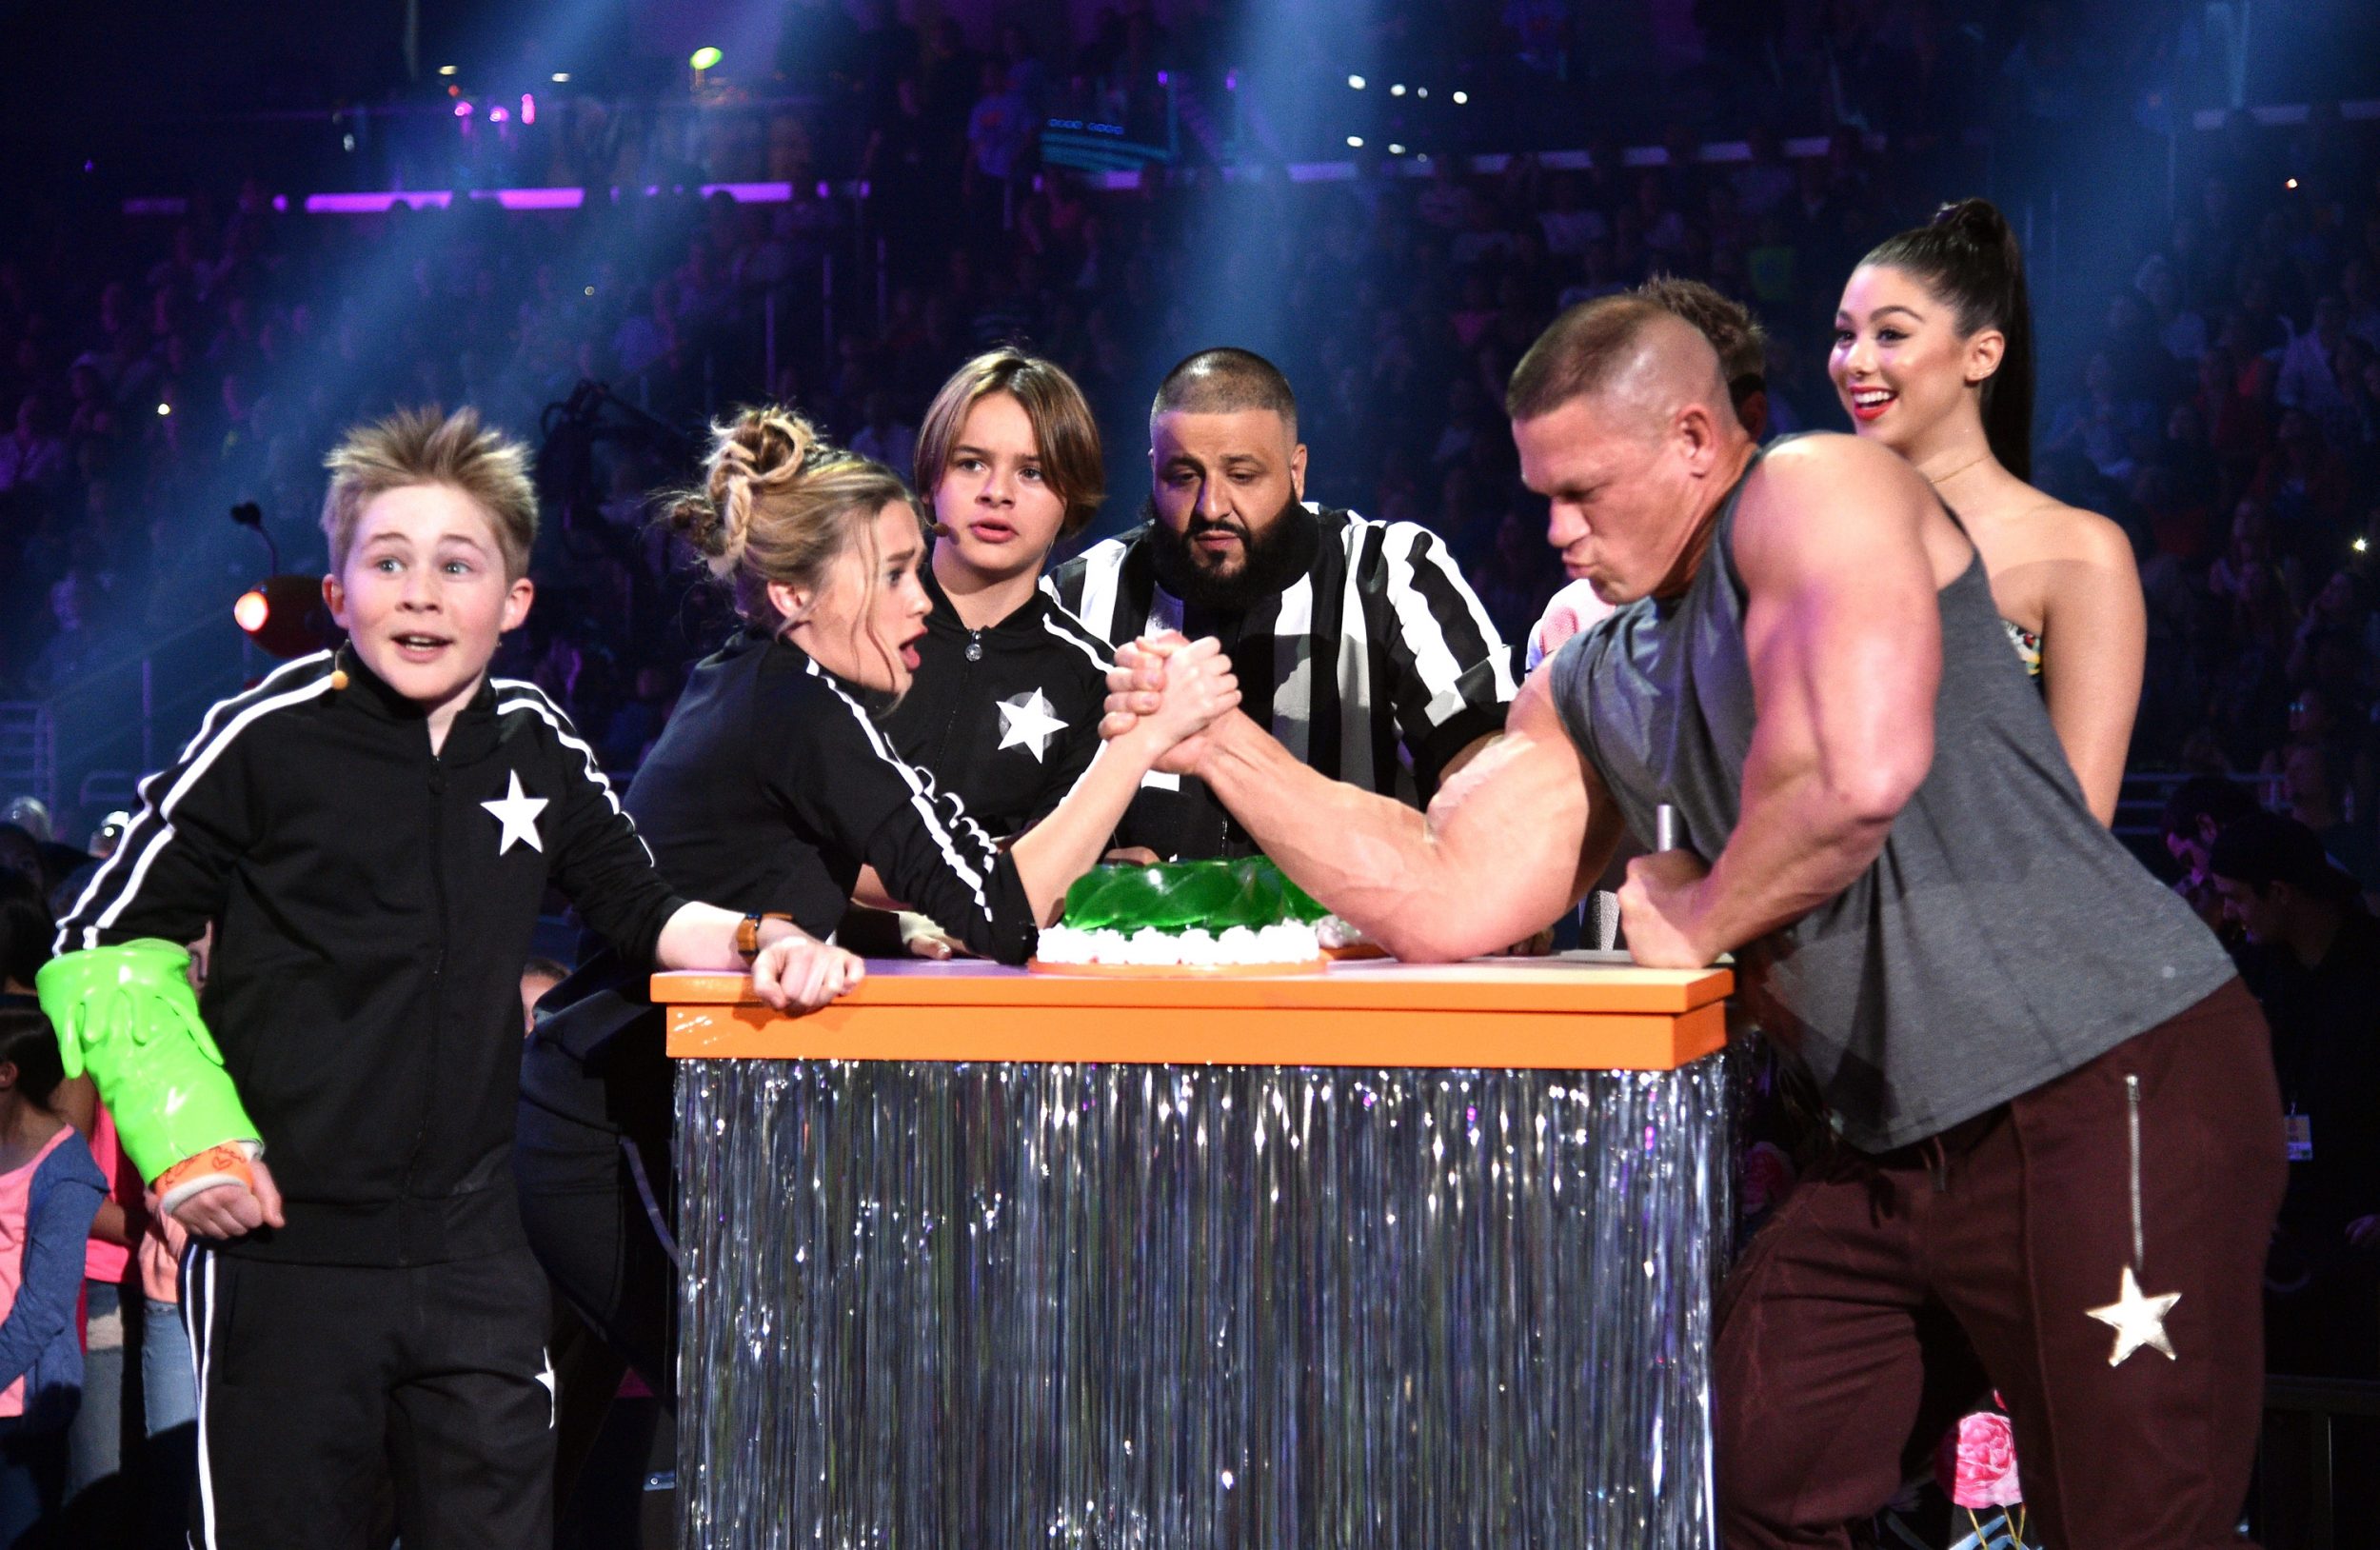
<point x="1512" y="839"/>
<point x="1841" y="552"/>
<point x="1137" y="685"/>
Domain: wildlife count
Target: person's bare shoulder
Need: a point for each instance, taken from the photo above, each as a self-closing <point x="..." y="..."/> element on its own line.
<point x="1829" y="484"/>
<point x="2030" y="526"/>
<point x="1828" y="466"/>
<point x="2057" y="531"/>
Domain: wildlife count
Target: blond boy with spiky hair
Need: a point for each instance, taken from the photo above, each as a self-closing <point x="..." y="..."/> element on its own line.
<point x="369" y="832"/>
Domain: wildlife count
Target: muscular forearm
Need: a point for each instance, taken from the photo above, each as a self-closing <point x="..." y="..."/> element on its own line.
<point x="1365" y="856"/>
<point x="1070" y="840"/>
<point x="1797" y="845"/>
<point x="1506" y="846"/>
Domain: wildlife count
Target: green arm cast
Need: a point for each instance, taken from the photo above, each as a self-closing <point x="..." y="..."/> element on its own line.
<point x="126" y="1016"/>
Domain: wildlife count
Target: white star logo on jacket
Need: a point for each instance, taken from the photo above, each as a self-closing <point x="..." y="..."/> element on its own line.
<point x="1030" y="720"/>
<point x="517" y="811"/>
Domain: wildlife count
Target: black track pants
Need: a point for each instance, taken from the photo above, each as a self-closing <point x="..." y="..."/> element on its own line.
<point x="591" y="1154"/>
<point x="315" y="1383"/>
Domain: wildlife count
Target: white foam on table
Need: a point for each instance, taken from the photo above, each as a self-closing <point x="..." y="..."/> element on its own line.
<point x="1287" y="942"/>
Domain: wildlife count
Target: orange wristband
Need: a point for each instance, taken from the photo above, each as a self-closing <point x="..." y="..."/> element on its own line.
<point x="226" y="1163"/>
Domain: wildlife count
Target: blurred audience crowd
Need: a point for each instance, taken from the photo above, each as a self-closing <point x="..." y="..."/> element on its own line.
<point x="2210" y="379"/>
<point x="2221" y="399"/>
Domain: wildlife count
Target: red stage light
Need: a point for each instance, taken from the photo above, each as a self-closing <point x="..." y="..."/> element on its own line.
<point x="284" y="615"/>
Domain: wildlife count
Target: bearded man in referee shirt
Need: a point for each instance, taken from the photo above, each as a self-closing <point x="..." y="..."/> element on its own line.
<point x="1357" y="643"/>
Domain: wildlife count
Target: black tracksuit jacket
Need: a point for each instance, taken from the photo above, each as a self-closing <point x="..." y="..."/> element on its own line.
<point x="775" y="782"/>
<point x="373" y="904"/>
<point x="1008" y="718"/>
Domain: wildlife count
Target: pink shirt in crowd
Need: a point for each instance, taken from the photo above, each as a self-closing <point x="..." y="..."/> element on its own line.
<point x="102" y="1260"/>
<point x="16" y="1203"/>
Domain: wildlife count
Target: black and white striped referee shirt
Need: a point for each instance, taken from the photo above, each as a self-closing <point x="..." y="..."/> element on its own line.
<point x="1376" y="668"/>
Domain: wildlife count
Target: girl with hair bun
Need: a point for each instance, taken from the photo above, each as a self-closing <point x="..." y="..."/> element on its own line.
<point x="1933" y="357"/>
<point x="825" y="554"/>
<point x="773" y="786"/>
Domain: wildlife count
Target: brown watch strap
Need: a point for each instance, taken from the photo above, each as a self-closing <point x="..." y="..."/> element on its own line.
<point x="749" y="932"/>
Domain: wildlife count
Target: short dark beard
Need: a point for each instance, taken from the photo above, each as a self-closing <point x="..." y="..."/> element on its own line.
<point x="1271" y="560"/>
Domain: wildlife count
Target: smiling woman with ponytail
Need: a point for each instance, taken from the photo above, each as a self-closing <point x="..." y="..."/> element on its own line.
<point x="1933" y="358"/>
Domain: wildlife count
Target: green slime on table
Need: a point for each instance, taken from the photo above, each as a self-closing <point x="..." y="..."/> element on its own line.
<point x="1174" y="896"/>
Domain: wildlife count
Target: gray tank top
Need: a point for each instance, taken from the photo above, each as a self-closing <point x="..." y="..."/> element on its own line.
<point x="2003" y="936"/>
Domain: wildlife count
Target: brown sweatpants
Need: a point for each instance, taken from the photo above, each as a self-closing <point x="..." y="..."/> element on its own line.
<point x="2014" y="1224"/>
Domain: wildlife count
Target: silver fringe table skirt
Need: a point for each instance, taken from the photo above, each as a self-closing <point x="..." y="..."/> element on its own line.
<point x="1129" y="1307"/>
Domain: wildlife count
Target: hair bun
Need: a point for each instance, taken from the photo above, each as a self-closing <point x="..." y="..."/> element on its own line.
<point x="1977" y="221"/>
<point x="759" y="451"/>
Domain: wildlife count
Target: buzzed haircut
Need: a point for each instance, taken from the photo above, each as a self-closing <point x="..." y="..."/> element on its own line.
<point x="1582" y="352"/>
<point x="1225" y="381"/>
<point x="1742" y="344"/>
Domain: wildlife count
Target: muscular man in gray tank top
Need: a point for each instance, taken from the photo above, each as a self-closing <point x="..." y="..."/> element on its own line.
<point x="2059" y="1104"/>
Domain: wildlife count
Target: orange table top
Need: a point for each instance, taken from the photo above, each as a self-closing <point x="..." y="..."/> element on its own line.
<point x="1575" y="1012"/>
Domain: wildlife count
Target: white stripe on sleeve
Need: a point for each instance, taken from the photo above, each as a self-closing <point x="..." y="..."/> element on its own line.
<point x="1433" y="657"/>
<point x="535" y="701"/>
<point x="144" y="843"/>
<point x="203" y="1360"/>
<point x="920" y="797"/>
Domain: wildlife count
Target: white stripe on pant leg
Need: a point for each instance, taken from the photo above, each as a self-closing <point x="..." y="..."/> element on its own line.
<point x="203" y="1360"/>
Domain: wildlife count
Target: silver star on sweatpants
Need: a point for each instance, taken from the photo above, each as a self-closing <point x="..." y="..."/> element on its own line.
<point x="2138" y="1320"/>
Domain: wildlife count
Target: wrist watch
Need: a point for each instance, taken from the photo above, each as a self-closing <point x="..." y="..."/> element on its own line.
<point x="749" y="932"/>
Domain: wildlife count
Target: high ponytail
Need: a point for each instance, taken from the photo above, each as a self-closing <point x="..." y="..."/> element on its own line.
<point x="778" y="503"/>
<point x="1968" y="256"/>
